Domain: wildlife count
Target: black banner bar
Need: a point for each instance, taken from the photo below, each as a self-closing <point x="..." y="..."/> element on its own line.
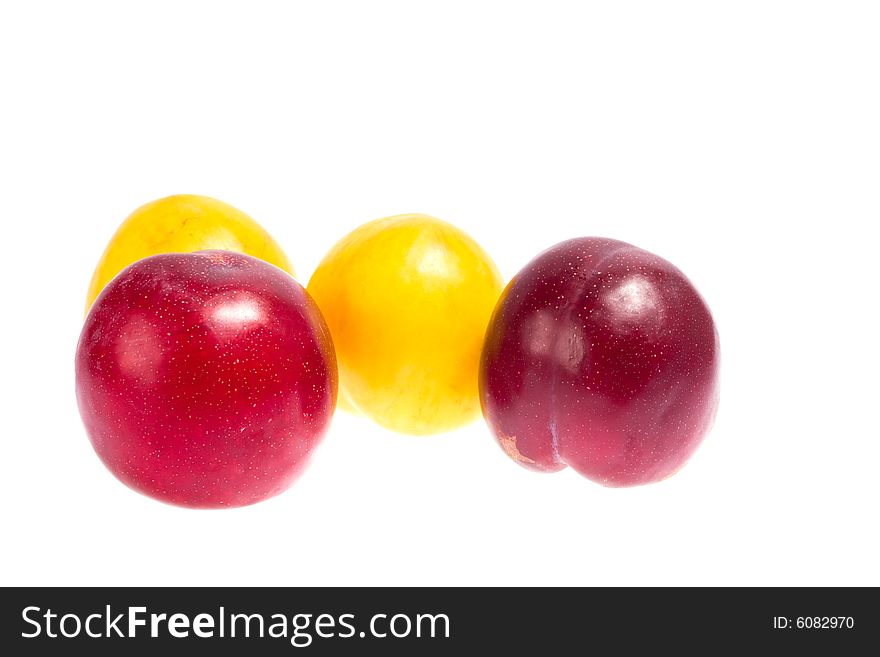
<point x="437" y="621"/>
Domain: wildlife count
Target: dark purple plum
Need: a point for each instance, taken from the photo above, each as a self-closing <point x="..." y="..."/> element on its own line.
<point x="604" y="357"/>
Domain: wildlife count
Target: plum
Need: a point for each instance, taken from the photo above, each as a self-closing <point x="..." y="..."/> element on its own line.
<point x="205" y="379"/>
<point x="407" y="299"/>
<point x="181" y="224"/>
<point x="604" y="357"/>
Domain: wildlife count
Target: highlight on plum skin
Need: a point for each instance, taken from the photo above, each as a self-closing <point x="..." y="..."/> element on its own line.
<point x="603" y="357"/>
<point x="205" y="379"/>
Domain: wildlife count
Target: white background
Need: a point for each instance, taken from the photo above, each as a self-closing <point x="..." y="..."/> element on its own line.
<point x="739" y="140"/>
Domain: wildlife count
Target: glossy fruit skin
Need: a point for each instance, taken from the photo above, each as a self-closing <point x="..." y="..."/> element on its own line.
<point x="407" y="299"/>
<point x="182" y="224"/>
<point x="603" y="357"/>
<point x="206" y="379"/>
